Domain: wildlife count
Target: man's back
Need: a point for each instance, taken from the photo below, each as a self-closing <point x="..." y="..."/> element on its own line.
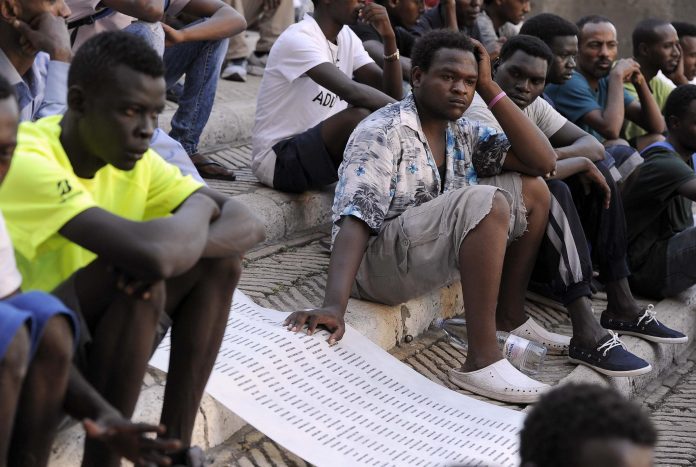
<point x="41" y="194"/>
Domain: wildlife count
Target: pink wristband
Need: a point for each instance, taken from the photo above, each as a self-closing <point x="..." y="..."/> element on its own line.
<point x="496" y="99"/>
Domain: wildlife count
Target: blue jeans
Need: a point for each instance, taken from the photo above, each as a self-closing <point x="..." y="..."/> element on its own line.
<point x="201" y="62"/>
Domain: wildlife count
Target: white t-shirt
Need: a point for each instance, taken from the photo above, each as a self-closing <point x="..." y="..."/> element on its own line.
<point x="545" y="117"/>
<point x="10" y="279"/>
<point x="289" y="102"/>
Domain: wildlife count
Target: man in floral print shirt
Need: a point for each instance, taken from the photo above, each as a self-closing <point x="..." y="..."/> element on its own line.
<point x="410" y="215"/>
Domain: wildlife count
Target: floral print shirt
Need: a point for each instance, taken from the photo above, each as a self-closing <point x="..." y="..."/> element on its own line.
<point x="388" y="167"/>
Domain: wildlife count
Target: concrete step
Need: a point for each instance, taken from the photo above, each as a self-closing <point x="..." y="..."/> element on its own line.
<point x="283" y="214"/>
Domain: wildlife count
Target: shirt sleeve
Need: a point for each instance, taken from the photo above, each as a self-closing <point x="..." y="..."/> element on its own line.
<point x="661" y="175"/>
<point x="628" y="97"/>
<point x="574" y="99"/>
<point x="56" y="90"/>
<point x="298" y="53"/>
<point x="546" y="117"/>
<point x="367" y="177"/>
<point x="38" y="197"/>
<point x="168" y="187"/>
<point x="489" y="148"/>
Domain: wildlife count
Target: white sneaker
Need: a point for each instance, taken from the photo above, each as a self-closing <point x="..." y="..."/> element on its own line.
<point x="235" y="71"/>
<point x="500" y="381"/>
<point x="257" y="65"/>
<point x="556" y="344"/>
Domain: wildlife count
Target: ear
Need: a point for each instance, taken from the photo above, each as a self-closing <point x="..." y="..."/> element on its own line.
<point x="643" y="49"/>
<point x="392" y="3"/>
<point x="673" y="122"/>
<point x="416" y="76"/>
<point x="76" y="99"/>
<point x="9" y="10"/>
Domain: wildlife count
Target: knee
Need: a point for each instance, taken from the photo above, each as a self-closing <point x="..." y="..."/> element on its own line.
<point x="56" y="345"/>
<point x="226" y="270"/>
<point x="16" y="358"/>
<point x="535" y="193"/>
<point x="500" y="209"/>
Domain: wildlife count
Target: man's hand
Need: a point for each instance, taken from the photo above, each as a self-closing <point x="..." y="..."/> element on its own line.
<point x="128" y="439"/>
<point x="485" y="77"/>
<point x="626" y="68"/>
<point x="47" y="33"/>
<point x="269" y="5"/>
<point x="377" y="17"/>
<point x="592" y="176"/>
<point x="677" y="76"/>
<point x="172" y="36"/>
<point x="330" y="318"/>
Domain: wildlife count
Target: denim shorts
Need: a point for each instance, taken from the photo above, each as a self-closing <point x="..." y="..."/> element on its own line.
<point x="32" y="309"/>
<point x="303" y="163"/>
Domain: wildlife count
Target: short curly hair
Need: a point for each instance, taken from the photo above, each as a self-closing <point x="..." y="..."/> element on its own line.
<point x="679" y="101"/>
<point x="547" y="26"/>
<point x="568" y="416"/>
<point x="530" y="45"/>
<point x="427" y="46"/>
<point x="94" y="64"/>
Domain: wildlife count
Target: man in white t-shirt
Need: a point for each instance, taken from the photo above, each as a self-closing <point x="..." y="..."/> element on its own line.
<point x="586" y="209"/>
<point x="318" y="85"/>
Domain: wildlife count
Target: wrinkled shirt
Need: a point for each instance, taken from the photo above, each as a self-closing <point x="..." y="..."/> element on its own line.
<point x="388" y="167"/>
<point x="42" y="91"/>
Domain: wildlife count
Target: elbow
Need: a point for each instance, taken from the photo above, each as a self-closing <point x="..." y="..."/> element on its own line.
<point x="152" y="12"/>
<point x="610" y="133"/>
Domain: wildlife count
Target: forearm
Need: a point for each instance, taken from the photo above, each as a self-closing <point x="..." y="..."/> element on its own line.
<point x="83" y="401"/>
<point x="362" y="95"/>
<point x="528" y="142"/>
<point x="613" y="113"/>
<point x="392" y="73"/>
<point x="450" y="10"/>
<point x="346" y="256"/>
<point x="224" y="23"/>
<point x="235" y="232"/>
<point x="651" y="116"/>
<point x="568" y="167"/>
<point x="586" y="146"/>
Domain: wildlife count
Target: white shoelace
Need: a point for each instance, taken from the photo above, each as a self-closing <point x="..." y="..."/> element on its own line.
<point x="610" y="344"/>
<point x="649" y="315"/>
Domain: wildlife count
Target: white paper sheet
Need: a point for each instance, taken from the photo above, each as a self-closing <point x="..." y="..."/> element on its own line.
<point x="351" y="404"/>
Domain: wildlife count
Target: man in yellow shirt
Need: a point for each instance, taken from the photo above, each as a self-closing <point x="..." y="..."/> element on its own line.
<point x="123" y="238"/>
<point x="655" y="48"/>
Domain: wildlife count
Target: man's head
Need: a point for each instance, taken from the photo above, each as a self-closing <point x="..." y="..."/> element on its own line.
<point x="116" y="89"/>
<point x="597" y="46"/>
<point x="687" y="40"/>
<point x="341" y="11"/>
<point x="562" y="38"/>
<point x="584" y="425"/>
<point x="9" y="120"/>
<point x="522" y="68"/>
<point x="680" y="115"/>
<point x="512" y="11"/>
<point x="656" y="45"/>
<point x="444" y="72"/>
<point x="27" y="11"/>
<point x="467" y="12"/>
<point x="403" y="13"/>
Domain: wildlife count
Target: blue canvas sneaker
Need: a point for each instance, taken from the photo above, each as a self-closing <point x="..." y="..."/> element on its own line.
<point x="646" y="327"/>
<point x="610" y="357"/>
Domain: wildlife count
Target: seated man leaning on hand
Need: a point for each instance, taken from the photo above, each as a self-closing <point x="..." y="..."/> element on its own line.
<point x="123" y="238"/>
<point x="586" y="216"/>
<point x="410" y="218"/>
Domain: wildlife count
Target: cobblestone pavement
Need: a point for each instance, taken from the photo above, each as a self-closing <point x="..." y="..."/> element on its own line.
<point x="292" y="276"/>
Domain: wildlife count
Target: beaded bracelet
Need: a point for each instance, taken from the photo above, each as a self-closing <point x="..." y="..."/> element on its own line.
<point x="496" y="99"/>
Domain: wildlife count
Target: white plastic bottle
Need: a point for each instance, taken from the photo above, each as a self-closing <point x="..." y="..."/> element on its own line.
<point x="527" y="356"/>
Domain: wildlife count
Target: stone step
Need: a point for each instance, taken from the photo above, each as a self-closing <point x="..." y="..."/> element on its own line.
<point x="283" y="214"/>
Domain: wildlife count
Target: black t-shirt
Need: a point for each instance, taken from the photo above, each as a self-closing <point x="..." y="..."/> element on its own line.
<point x="434" y="18"/>
<point x="404" y="39"/>
<point x="655" y="212"/>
